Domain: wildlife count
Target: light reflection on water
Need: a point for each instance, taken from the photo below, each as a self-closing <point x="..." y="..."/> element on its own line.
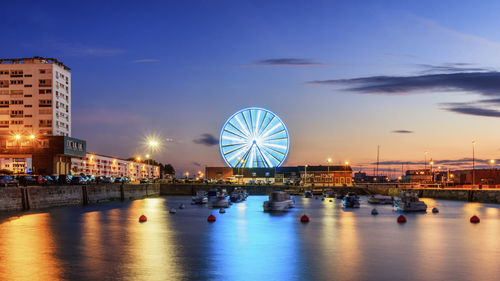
<point x="106" y="242"/>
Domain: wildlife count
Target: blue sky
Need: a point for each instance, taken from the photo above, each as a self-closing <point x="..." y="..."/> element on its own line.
<point x="178" y="69"/>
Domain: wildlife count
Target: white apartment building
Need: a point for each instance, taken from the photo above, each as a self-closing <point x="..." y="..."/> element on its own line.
<point x="35" y="97"/>
<point x="101" y="165"/>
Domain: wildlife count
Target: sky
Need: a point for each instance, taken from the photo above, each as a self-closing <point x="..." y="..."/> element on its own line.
<point x="344" y="76"/>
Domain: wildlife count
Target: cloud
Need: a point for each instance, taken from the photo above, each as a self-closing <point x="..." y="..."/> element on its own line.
<point x="207" y="139"/>
<point x="402" y="132"/>
<point x="287" y="62"/>
<point x="483" y="83"/>
<point x="77" y="49"/>
<point x="451" y="67"/>
<point x="463" y="108"/>
<point x="146" y="60"/>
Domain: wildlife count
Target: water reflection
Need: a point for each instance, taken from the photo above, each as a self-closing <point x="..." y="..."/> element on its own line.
<point x="27" y="249"/>
<point x="107" y="242"/>
<point x="151" y="250"/>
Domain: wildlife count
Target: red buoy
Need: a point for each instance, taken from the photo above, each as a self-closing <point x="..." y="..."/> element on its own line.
<point x="401" y="219"/>
<point x="304" y="218"/>
<point x="211" y="218"/>
<point x="143" y="218"/>
<point x="474" y="219"/>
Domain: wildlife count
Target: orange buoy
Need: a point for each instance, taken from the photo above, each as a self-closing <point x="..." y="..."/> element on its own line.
<point x="474" y="219"/>
<point x="401" y="219"/>
<point x="304" y="218"/>
<point x="211" y="218"/>
<point x="143" y="218"/>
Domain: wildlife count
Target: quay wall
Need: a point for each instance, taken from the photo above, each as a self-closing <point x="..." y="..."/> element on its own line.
<point x="460" y="194"/>
<point x="39" y="197"/>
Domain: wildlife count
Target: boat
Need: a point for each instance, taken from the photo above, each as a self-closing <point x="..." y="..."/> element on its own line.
<point x="217" y="199"/>
<point x="238" y="195"/>
<point x="278" y="201"/>
<point x="308" y="194"/>
<point x="200" y="198"/>
<point x="380" y="199"/>
<point x="409" y="202"/>
<point x="351" y="200"/>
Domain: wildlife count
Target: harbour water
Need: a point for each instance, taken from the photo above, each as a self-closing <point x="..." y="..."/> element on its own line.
<point x="106" y="242"/>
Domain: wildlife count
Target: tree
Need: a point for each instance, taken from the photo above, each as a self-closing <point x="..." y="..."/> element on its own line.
<point x="168" y="169"/>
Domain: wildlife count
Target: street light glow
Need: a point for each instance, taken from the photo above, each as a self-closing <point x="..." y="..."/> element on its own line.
<point x="18" y="137"/>
<point x="32" y="137"/>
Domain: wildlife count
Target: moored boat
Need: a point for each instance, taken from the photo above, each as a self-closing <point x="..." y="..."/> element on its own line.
<point x="278" y="201"/>
<point x="351" y="200"/>
<point x="380" y="199"/>
<point x="409" y="202"/>
<point x="217" y="200"/>
<point x="200" y="198"/>
<point x="308" y="194"/>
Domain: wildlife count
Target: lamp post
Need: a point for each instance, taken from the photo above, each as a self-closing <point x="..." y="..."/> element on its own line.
<point x="345" y="172"/>
<point x="492" y="163"/>
<point x="152" y="144"/>
<point x="305" y="175"/>
<point x="425" y="161"/>
<point x="431" y="164"/>
<point x="473" y="163"/>
<point x="329" y="160"/>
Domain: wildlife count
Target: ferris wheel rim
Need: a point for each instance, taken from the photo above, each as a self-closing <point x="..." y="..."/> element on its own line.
<point x="280" y="122"/>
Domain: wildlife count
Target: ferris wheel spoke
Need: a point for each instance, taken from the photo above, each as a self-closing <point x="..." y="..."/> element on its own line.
<point x="251" y="122"/>
<point x="266" y="161"/>
<point x="234" y="150"/>
<point x="274" y="134"/>
<point x="262" y="123"/>
<point x="231" y="132"/>
<point x="245" y="135"/>
<point x="271" y="149"/>
<point x="264" y="129"/>
<point x="256" y="122"/>
<point x="246" y="123"/>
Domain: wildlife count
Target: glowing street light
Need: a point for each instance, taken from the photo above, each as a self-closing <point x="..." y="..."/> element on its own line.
<point x="138" y="158"/>
<point x="18" y="137"/>
<point x="492" y="163"/>
<point x="329" y="160"/>
<point x="473" y="163"/>
<point x="153" y="144"/>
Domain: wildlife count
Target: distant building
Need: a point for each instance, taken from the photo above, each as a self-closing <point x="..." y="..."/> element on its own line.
<point x="481" y="177"/>
<point x="362" y="177"/>
<point x="420" y="176"/>
<point x="35" y="97"/>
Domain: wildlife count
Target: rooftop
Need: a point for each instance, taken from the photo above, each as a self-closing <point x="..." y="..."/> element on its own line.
<point x="33" y="60"/>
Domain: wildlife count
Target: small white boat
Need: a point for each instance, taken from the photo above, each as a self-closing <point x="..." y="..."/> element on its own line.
<point x="409" y="202"/>
<point x="238" y="195"/>
<point x="380" y="199"/>
<point x="217" y="200"/>
<point x="222" y="210"/>
<point x="351" y="200"/>
<point x="172" y="211"/>
<point x="200" y="198"/>
<point x="182" y="206"/>
<point x="278" y="201"/>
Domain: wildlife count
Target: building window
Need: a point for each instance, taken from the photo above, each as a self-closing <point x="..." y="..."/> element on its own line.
<point x="28" y="105"/>
<point x="16" y="102"/>
<point x="45" y="103"/>
<point x="16" y="82"/>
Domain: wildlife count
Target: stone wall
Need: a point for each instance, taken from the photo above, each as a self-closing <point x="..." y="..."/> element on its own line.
<point x="38" y="197"/>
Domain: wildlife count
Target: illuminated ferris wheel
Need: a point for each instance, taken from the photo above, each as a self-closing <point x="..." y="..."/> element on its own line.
<point x="254" y="138"/>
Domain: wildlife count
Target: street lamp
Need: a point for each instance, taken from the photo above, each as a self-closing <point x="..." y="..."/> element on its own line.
<point x="345" y="172"/>
<point x="431" y="164"/>
<point x="153" y="144"/>
<point x="492" y="163"/>
<point x="329" y="160"/>
<point x="305" y="175"/>
<point x="473" y="163"/>
<point x="425" y="161"/>
<point x="138" y="158"/>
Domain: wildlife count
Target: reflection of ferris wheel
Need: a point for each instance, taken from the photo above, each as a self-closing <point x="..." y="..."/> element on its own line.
<point x="254" y="138"/>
